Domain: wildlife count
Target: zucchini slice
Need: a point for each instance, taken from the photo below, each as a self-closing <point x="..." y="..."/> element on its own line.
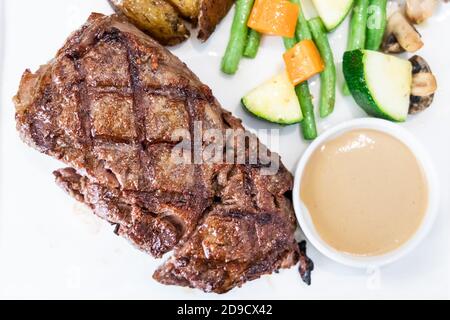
<point x="275" y="101"/>
<point x="333" y="12"/>
<point x="379" y="83"/>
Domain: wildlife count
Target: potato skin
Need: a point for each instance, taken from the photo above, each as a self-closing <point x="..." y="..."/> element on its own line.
<point x="155" y="17"/>
<point x="211" y="13"/>
<point x="189" y="9"/>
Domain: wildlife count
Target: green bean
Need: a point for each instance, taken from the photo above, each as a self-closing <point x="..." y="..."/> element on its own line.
<point x="252" y="46"/>
<point x="357" y="36"/>
<point x="328" y="76"/>
<point x="303" y="93"/>
<point x="289" y="42"/>
<point x="302" y="30"/>
<point x="238" y="37"/>
<point x="308" y="123"/>
<point x="376" y="23"/>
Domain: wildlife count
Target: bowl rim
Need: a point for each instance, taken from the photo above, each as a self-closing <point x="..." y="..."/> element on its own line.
<point x="425" y="161"/>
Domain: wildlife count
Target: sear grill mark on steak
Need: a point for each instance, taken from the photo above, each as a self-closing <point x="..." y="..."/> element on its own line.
<point x="106" y="106"/>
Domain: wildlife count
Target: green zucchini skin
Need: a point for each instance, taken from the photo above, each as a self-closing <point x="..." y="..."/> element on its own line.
<point x="262" y="117"/>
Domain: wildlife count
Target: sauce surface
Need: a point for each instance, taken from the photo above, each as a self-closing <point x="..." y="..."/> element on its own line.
<point x="365" y="191"/>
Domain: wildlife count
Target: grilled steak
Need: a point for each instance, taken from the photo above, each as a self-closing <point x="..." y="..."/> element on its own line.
<point x="107" y="106"/>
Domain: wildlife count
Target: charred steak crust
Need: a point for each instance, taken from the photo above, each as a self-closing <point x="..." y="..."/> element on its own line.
<point x="106" y="106"/>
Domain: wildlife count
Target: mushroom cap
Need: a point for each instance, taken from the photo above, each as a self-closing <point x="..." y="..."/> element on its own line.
<point x="424" y="85"/>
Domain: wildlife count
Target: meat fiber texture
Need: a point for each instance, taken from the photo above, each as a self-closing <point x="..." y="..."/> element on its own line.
<point x="107" y="106"/>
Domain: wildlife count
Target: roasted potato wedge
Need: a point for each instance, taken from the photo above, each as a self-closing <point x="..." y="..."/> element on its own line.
<point x="188" y="8"/>
<point x="155" y="17"/>
<point x="211" y="13"/>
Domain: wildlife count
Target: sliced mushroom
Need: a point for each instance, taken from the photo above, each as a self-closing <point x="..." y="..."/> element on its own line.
<point x="424" y="85"/>
<point x="420" y="10"/>
<point x="391" y="45"/>
<point x="400" y="29"/>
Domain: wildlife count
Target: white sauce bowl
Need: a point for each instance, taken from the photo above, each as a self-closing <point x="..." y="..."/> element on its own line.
<point x="424" y="160"/>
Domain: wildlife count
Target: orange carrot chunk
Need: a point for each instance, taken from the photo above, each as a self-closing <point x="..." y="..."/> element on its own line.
<point x="274" y="17"/>
<point x="303" y="61"/>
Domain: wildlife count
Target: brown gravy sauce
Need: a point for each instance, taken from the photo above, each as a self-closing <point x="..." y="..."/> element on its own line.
<point x="365" y="191"/>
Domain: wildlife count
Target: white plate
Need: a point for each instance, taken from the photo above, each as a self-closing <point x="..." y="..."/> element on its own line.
<point x="51" y="247"/>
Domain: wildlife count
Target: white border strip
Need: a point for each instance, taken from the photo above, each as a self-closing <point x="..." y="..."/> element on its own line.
<point x="2" y="80"/>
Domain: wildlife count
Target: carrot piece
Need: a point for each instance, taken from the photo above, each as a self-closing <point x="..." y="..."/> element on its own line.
<point x="303" y="61"/>
<point x="274" y="17"/>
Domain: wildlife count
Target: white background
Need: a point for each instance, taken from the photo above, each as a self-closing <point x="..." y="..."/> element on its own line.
<point x="52" y="247"/>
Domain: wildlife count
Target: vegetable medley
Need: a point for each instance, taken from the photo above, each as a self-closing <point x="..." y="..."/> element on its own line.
<point x="383" y="85"/>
